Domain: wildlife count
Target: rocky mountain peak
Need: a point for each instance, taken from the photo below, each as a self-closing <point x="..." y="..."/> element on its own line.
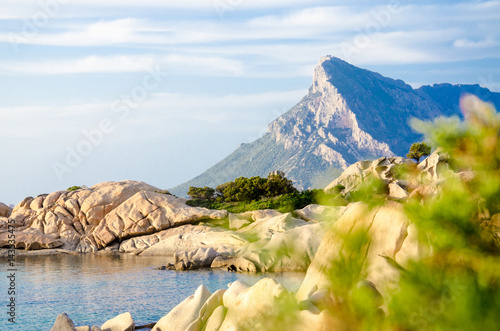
<point x="350" y="114"/>
<point x="324" y="123"/>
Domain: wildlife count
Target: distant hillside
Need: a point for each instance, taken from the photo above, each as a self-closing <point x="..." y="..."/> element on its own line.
<point x="350" y="114"/>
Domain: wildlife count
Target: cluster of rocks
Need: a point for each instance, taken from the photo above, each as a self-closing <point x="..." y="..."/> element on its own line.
<point x="123" y="322"/>
<point x="393" y="241"/>
<point x="422" y="180"/>
<point x="244" y="307"/>
<point x="132" y="217"/>
<point x="135" y="218"/>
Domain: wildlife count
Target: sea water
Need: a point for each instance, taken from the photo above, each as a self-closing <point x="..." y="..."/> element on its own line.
<point x="94" y="288"/>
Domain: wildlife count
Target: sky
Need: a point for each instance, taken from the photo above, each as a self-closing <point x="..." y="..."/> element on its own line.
<point x="158" y="91"/>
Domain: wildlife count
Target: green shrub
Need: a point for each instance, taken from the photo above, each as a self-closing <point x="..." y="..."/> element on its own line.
<point x="73" y="188"/>
<point x="417" y="150"/>
<point x="456" y="286"/>
<point x="201" y="192"/>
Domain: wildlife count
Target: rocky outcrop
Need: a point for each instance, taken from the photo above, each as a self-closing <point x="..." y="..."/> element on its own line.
<point x="63" y="323"/>
<point x="364" y="171"/>
<point x="31" y="240"/>
<point x="146" y="213"/>
<point x="185" y="239"/>
<point x="186" y="313"/>
<point x="5" y="210"/>
<point x="290" y="250"/>
<point x="319" y="213"/>
<point x="401" y="178"/>
<point x="123" y="322"/>
<point x="252" y="307"/>
<point x="391" y="237"/>
<point x="90" y="219"/>
<point x="199" y="258"/>
<point x="266" y="226"/>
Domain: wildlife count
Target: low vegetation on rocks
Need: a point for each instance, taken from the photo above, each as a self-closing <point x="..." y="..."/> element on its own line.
<point x="73" y="188"/>
<point x="257" y="193"/>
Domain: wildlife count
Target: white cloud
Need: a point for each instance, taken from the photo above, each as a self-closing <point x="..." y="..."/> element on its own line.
<point x="178" y="111"/>
<point x="185" y="64"/>
<point x="90" y="64"/>
<point x="466" y="43"/>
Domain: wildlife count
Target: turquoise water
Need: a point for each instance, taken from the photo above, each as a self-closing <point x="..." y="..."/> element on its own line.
<point x="94" y="288"/>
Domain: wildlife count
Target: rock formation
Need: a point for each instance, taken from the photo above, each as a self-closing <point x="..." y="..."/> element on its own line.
<point x="90" y="219"/>
<point x="410" y="180"/>
<point x="5" y="210"/>
<point x="134" y="218"/>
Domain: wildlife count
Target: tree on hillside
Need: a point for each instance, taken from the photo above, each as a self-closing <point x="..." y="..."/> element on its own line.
<point x="255" y="188"/>
<point x="417" y="150"/>
<point x="201" y="192"/>
<point x="278" y="184"/>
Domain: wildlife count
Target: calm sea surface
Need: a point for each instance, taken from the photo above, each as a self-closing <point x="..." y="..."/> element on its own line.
<point x="94" y="288"/>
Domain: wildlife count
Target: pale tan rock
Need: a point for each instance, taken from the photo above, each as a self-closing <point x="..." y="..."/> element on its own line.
<point x="386" y="226"/>
<point x="255" y="307"/>
<point x="307" y="320"/>
<point x="5" y="210"/>
<point x="4" y="221"/>
<point x="231" y="294"/>
<point x="319" y="213"/>
<point x="63" y="323"/>
<point x="207" y="311"/>
<point x="51" y="199"/>
<point x="433" y="168"/>
<point x="265" y="227"/>
<point x="37" y="203"/>
<point x="33" y="240"/>
<point x="122" y="322"/>
<point x="147" y="212"/>
<point x="199" y="258"/>
<point x="216" y="319"/>
<point x="83" y="328"/>
<point x="236" y="222"/>
<point x="189" y="238"/>
<point x="266" y="213"/>
<point x="72" y="207"/>
<point x="397" y="192"/>
<point x="185" y="313"/>
<point x="25" y="204"/>
<point x="106" y="196"/>
<point x="363" y="171"/>
<point x="292" y="250"/>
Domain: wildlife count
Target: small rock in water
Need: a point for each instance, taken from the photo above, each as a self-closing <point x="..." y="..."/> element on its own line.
<point x="170" y="266"/>
<point x="123" y="322"/>
<point x="63" y="323"/>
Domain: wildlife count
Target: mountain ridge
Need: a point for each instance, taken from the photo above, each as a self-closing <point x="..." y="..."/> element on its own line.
<point x="350" y="114"/>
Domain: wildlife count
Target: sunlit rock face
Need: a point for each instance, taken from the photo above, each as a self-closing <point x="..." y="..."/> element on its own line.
<point x="350" y="114"/>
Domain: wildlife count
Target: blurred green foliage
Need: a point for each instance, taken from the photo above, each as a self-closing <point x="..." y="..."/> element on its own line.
<point x="73" y="188"/>
<point x="456" y="286"/>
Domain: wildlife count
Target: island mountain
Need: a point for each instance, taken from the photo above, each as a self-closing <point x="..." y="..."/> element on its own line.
<point x="350" y="114"/>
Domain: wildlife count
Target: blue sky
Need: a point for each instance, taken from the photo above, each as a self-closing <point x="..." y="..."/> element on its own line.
<point x="158" y="91"/>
